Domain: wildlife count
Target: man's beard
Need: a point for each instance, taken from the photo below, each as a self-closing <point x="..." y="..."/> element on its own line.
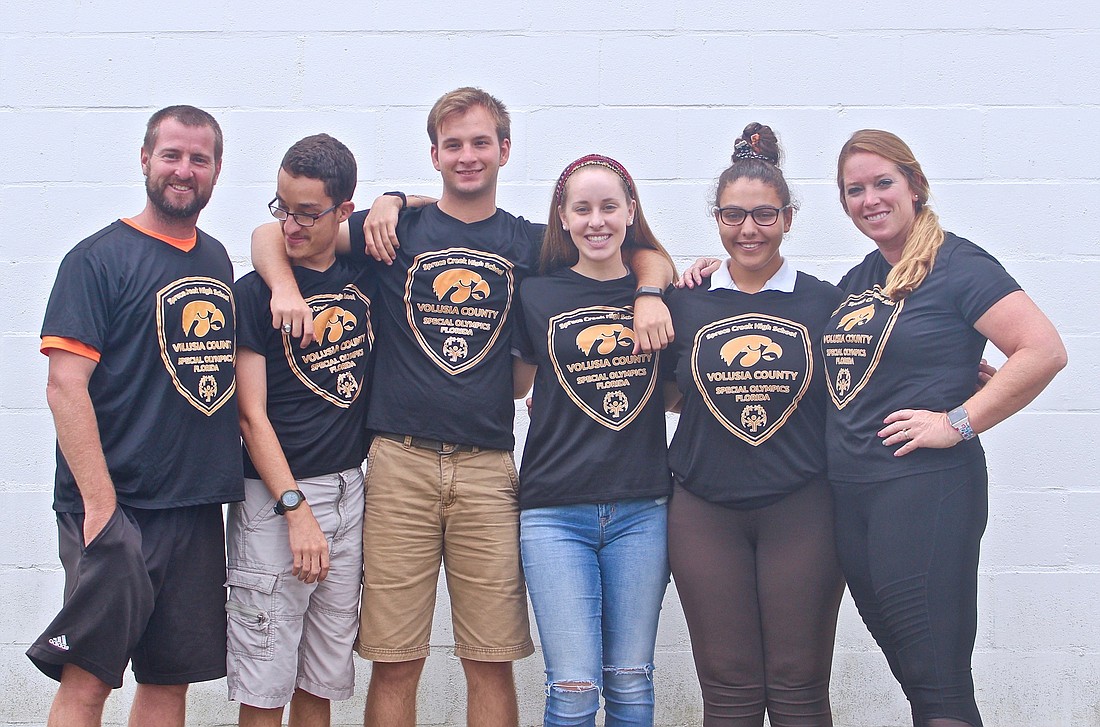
<point x="170" y="212"/>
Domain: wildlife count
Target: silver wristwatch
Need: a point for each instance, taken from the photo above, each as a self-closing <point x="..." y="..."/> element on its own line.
<point x="960" y="420"/>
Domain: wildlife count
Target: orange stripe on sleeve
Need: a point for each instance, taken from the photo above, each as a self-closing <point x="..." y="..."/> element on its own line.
<point x="68" y="344"/>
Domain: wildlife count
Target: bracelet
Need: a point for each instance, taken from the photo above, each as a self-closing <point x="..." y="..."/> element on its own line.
<point x="401" y="195"/>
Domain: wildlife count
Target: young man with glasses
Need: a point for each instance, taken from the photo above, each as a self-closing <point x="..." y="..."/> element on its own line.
<point x="442" y="485"/>
<point x="295" y="545"/>
<point x="140" y="334"/>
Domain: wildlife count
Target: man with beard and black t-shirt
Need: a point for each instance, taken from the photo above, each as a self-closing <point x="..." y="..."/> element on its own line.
<point x="140" y="334"/>
<point x="295" y="545"/>
<point x="441" y="482"/>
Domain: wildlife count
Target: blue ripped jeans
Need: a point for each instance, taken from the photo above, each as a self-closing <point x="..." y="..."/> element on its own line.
<point x="597" y="574"/>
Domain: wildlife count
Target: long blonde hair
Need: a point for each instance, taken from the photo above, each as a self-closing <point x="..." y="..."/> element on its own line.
<point x="926" y="234"/>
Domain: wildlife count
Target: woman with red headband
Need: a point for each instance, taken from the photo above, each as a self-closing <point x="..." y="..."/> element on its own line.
<point x="594" y="480"/>
<point x="750" y="523"/>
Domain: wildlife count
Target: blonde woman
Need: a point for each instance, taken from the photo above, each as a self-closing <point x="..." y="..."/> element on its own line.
<point x="909" y="477"/>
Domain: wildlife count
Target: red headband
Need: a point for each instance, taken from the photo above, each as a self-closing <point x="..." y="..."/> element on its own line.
<point x="593" y="160"/>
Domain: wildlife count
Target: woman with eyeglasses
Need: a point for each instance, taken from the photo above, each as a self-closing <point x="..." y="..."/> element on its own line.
<point x="594" y="480"/>
<point x="901" y="354"/>
<point x="751" y="518"/>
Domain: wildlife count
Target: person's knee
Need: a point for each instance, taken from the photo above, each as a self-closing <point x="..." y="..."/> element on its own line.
<point x="163" y="694"/>
<point x="396" y="673"/>
<point x="574" y="686"/>
<point x="80" y="686"/>
<point x="628" y="683"/>
<point x="249" y="716"/>
<point x="798" y="669"/>
<point x="575" y="701"/>
<point x="490" y="673"/>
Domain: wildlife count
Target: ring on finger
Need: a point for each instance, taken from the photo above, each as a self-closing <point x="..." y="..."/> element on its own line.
<point x="908" y="436"/>
<point x="286" y="328"/>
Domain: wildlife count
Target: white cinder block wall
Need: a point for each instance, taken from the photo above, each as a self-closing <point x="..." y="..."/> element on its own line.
<point x="1001" y="102"/>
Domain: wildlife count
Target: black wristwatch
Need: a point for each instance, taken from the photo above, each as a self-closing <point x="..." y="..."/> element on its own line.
<point x="649" y="290"/>
<point x="289" y="500"/>
<point x="404" y="199"/>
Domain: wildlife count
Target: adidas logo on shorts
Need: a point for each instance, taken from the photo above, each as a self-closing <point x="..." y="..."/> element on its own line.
<point x="60" y="642"/>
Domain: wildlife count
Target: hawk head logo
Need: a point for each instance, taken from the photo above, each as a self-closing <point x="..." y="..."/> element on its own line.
<point x="857" y="317"/>
<point x="605" y="338"/>
<point x="329" y="325"/>
<point x="200" y="317"/>
<point x="461" y="284"/>
<point x="749" y="350"/>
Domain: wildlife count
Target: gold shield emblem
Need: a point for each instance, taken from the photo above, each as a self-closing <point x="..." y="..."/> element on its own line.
<point x="456" y="303"/>
<point x="853" y="342"/>
<point x="195" y="332"/>
<point x="752" y="370"/>
<point x="591" y="351"/>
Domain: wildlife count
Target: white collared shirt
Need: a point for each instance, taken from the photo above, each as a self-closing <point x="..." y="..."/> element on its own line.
<point x="783" y="280"/>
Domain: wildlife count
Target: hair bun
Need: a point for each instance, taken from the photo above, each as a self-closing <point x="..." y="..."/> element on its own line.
<point x="757" y="142"/>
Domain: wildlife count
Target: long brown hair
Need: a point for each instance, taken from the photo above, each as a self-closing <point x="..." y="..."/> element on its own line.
<point x="558" y="249"/>
<point x="926" y="234"/>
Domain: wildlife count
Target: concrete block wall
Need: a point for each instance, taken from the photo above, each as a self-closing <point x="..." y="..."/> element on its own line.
<point x="1000" y="101"/>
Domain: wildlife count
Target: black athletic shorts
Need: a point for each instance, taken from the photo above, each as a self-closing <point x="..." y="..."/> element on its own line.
<point x="148" y="589"/>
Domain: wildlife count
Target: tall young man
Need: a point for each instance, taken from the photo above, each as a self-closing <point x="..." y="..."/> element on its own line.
<point x="140" y="334"/>
<point x="295" y="545"/>
<point x="441" y="482"/>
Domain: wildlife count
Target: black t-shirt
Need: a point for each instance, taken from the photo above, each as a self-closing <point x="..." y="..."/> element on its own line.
<point x="316" y="396"/>
<point x="752" y="425"/>
<point x="164" y="393"/>
<point x="597" y="423"/>
<point x="918" y="353"/>
<point x="444" y="321"/>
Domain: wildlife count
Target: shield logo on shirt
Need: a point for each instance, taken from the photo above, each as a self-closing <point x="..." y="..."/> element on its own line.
<point x="752" y="370"/>
<point x="591" y="352"/>
<point x="195" y="332"/>
<point x="854" y="339"/>
<point x="456" y="302"/>
<point x="334" y="365"/>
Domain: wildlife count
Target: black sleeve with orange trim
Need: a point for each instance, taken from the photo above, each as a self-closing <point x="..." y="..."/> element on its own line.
<point x="78" y="313"/>
<point x="68" y="344"/>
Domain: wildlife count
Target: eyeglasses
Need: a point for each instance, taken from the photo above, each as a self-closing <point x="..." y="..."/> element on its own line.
<point x="764" y="215"/>
<point x="302" y="219"/>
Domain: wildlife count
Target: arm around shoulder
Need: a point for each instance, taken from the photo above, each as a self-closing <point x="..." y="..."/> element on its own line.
<point x="652" y="322"/>
<point x="289" y="311"/>
<point x="523" y="377"/>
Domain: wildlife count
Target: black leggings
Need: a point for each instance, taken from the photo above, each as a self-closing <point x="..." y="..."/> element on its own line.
<point x="760" y="590"/>
<point x="909" y="550"/>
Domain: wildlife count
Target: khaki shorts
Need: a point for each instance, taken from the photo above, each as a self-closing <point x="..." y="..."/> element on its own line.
<point x="461" y="508"/>
<point x="284" y="633"/>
